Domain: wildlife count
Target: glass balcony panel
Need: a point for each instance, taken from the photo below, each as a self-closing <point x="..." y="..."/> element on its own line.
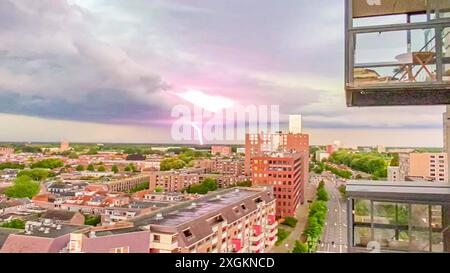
<point x="361" y="236"/>
<point x="437" y="242"/>
<point x="362" y="211"/>
<point x="436" y="217"/>
<point x="407" y="56"/>
<point x="420" y="241"/>
<point x="420" y="216"/>
<point x="384" y="213"/>
<point x="384" y="236"/>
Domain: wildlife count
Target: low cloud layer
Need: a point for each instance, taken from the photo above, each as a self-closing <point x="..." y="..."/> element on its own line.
<point x="123" y="62"/>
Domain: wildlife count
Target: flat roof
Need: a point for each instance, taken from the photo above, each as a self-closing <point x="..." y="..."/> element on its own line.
<point x="420" y="191"/>
<point x="54" y="233"/>
<point x="186" y="212"/>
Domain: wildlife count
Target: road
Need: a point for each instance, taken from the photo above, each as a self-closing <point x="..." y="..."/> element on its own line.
<point x="336" y="224"/>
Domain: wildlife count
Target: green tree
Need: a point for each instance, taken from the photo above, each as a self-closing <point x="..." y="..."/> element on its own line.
<point x="49" y="163"/>
<point x="11" y="165"/>
<point x="90" y="168"/>
<point x="15" y="223"/>
<point x="159" y="189"/>
<point x="300" y="247"/>
<point x="101" y="168"/>
<point x="290" y="221"/>
<point x="80" y="168"/>
<point x="114" y="169"/>
<point x="24" y="187"/>
<point x="92" y="220"/>
<point x="35" y="174"/>
<point x="395" y="161"/>
<point x="206" y="186"/>
<point x="282" y="234"/>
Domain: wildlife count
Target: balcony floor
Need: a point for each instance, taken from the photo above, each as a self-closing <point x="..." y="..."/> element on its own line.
<point x="398" y="95"/>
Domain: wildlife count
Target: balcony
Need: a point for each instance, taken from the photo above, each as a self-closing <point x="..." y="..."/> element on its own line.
<point x="236" y="246"/>
<point x="258" y="246"/>
<point x="397" y="53"/>
<point x="270" y="241"/>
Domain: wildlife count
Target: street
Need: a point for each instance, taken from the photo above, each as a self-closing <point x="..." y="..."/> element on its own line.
<point x="335" y="229"/>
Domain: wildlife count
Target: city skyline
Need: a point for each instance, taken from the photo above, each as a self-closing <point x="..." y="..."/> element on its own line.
<point x="111" y="71"/>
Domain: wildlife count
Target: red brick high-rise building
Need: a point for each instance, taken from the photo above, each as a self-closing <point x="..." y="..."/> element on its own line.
<point x="295" y="151"/>
<point x="283" y="171"/>
<point x="260" y="144"/>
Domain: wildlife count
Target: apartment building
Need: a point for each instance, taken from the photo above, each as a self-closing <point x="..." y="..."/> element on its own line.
<point x="430" y="166"/>
<point x="126" y="184"/>
<point x="222" y="166"/>
<point x="229" y="221"/>
<point x="393" y="173"/>
<point x="258" y="144"/>
<point x="283" y="171"/>
<point x="6" y="151"/>
<point x="173" y="181"/>
<point x="225" y="181"/>
<point x="221" y="150"/>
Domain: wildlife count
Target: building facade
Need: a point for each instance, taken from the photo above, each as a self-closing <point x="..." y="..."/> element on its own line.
<point x="6" y="151"/>
<point x="230" y="221"/>
<point x="126" y="184"/>
<point x="258" y="144"/>
<point x="285" y="173"/>
<point x="430" y="166"/>
<point x="221" y="150"/>
<point x="173" y="181"/>
<point x="393" y="173"/>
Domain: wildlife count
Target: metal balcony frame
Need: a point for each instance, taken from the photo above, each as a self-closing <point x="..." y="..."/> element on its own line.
<point x="400" y="93"/>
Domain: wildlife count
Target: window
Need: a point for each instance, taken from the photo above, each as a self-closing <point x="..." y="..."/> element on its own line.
<point x="156" y="238"/>
<point x="187" y="233"/>
<point x="124" y="249"/>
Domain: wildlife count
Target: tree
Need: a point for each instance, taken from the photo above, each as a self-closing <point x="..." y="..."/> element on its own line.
<point x="290" y="221"/>
<point x="282" y="234"/>
<point x="101" y="168"/>
<point x="80" y="168"/>
<point x="322" y="194"/>
<point x="73" y="155"/>
<point x="159" y="189"/>
<point x="395" y="162"/>
<point x="49" y="163"/>
<point x="15" y="223"/>
<point x="300" y="247"/>
<point x="127" y="168"/>
<point x="35" y="174"/>
<point x="24" y="187"/>
<point x="114" y="169"/>
<point x="92" y="220"/>
<point x="11" y="165"/>
<point x="206" y="186"/>
<point x="90" y="168"/>
<point x="172" y="164"/>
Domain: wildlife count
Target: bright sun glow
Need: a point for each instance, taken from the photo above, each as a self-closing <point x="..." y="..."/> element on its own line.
<point x="205" y="101"/>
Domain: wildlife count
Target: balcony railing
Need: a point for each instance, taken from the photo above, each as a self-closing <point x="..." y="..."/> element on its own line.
<point x="406" y="63"/>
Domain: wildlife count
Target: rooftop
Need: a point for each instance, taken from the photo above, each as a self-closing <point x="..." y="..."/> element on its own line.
<point x="187" y="211"/>
<point x="401" y="191"/>
<point x="53" y="232"/>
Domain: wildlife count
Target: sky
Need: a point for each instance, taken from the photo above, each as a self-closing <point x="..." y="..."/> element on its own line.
<point x="113" y="71"/>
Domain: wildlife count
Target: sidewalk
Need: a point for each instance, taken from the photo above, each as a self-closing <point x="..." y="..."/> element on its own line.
<point x="302" y="216"/>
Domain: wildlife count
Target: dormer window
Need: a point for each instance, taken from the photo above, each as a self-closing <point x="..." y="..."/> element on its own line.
<point x="187" y="233"/>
